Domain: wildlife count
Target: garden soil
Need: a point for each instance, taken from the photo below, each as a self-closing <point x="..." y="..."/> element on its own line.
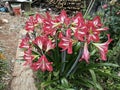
<point x="19" y="77"/>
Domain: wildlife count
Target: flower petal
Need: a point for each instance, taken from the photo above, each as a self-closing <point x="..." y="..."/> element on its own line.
<point x="85" y="55"/>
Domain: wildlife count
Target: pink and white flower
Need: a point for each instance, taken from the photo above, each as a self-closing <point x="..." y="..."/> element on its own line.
<point x="66" y="42"/>
<point x="86" y="54"/>
<point x="103" y="48"/>
<point x="28" y="57"/>
<point x="43" y="64"/>
<point x="31" y="24"/>
<point x="25" y="43"/>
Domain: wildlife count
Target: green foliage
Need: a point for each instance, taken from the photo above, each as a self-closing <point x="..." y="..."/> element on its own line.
<point x="97" y="75"/>
<point x="114" y="24"/>
<point x="3" y="69"/>
<point x="87" y="76"/>
<point x="113" y="82"/>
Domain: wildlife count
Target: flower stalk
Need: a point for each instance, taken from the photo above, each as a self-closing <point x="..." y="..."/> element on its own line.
<point x="63" y="61"/>
<point x="89" y="7"/>
<point x="75" y="63"/>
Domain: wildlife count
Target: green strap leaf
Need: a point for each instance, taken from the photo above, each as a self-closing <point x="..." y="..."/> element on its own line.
<point x="96" y="84"/>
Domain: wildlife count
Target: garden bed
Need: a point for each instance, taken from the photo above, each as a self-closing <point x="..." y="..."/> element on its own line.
<point x="98" y="73"/>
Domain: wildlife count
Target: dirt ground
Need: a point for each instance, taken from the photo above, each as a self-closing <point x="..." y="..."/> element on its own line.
<point x="9" y="35"/>
<point x="18" y="76"/>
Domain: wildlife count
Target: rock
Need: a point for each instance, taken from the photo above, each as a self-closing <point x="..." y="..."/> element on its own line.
<point x="3" y="21"/>
<point x="22" y="74"/>
<point x="0" y="27"/>
<point x="22" y="77"/>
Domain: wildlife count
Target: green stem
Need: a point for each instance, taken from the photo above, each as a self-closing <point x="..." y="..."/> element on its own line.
<point x="57" y="48"/>
<point x="89" y="7"/>
<point x="63" y="61"/>
<point x="75" y="63"/>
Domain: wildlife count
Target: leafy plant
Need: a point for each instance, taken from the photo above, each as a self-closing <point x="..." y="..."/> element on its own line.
<point x="111" y="19"/>
<point x="67" y="53"/>
<point x="3" y="70"/>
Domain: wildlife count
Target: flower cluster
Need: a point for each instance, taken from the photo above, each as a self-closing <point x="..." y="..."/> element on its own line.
<point x="45" y="33"/>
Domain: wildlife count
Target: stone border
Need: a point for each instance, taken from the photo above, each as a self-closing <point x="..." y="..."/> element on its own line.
<point x="22" y="75"/>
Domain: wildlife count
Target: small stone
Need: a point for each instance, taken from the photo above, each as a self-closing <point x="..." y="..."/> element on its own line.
<point x="4" y="20"/>
<point x="0" y="27"/>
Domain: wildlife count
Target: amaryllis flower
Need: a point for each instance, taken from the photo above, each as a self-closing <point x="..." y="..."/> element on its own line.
<point x="43" y="64"/>
<point x="48" y="25"/>
<point x="80" y="34"/>
<point x="98" y="25"/>
<point x="97" y="22"/>
<point x="92" y="34"/>
<point x="63" y="18"/>
<point x="31" y="24"/>
<point x="78" y="26"/>
<point x="105" y="6"/>
<point x="48" y="16"/>
<point x="49" y="45"/>
<point x="86" y="54"/>
<point x="94" y="28"/>
<point x="103" y="48"/>
<point x="25" y="42"/>
<point x="78" y="20"/>
<point x="39" y="41"/>
<point x="28" y="57"/>
<point x="46" y="32"/>
<point x="39" y="18"/>
<point x="44" y="43"/>
<point x="48" y="28"/>
<point x="66" y="42"/>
